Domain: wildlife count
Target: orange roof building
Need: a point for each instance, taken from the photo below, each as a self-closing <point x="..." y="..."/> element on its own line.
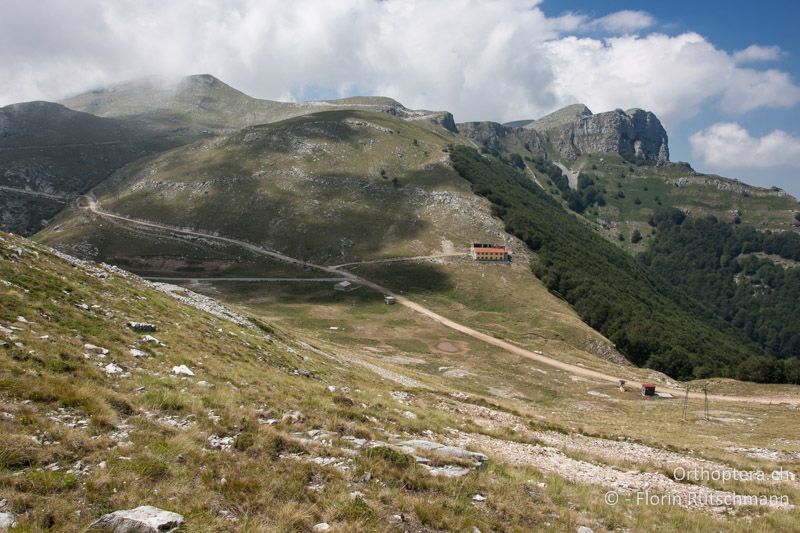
<point x="488" y="252"/>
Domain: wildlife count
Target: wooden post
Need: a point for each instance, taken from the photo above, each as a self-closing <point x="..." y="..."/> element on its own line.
<point x="705" y="392"/>
<point x="685" y="403"/>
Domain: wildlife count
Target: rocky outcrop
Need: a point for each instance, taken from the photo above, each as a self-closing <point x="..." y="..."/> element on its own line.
<point x="725" y="184"/>
<point x="144" y="519"/>
<point x="574" y="130"/>
<point x="485" y="134"/>
<point x="494" y="136"/>
<point x="445" y="119"/>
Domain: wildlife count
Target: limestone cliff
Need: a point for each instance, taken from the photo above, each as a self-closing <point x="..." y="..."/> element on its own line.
<point x="575" y="130"/>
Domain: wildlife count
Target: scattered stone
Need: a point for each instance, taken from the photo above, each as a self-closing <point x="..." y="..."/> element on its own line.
<point x="584" y="529"/>
<point x="447" y="470"/>
<point x="113" y="368"/>
<point x="331" y="388"/>
<point x="138" y="353"/>
<point x="142" y="327"/>
<point x="292" y="417"/>
<point x="220" y="443"/>
<point x="322" y="526"/>
<point x="479" y="498"/>
<point x="152" y="340"/>
<point x="205" y="384"/>
<point x="95" y="349"/>
<point x="144" y="519"/>
<point x="7" y="521"/>
<point x="182" y="370"/>
<point x="22" y="319"/>
<point x="410" y="415"/>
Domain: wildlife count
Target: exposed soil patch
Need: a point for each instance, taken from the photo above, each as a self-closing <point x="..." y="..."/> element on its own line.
<point x="449" y="347"/>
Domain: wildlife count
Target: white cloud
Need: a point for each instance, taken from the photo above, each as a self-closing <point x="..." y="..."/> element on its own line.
<point x="727" y="145"/>
<point x="755" y="53"/>
<point x="499" y="60"/>
<point x="625" y="21"/>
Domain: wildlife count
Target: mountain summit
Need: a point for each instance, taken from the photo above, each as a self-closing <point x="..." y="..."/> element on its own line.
<point x="574" y="130"/>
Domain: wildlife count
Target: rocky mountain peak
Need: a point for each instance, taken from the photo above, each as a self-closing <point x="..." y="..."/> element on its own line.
<point x="561" y="118"/>
<point x="574" y="130"/>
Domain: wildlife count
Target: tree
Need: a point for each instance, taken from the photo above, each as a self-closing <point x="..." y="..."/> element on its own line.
<point x="636" y="236"/>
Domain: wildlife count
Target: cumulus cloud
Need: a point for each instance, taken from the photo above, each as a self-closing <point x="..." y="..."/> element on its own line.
<point x="624" y="21"/>
<point x="755" y="53"/>
<point x="499" y="60"/>
<point x="727" y="145"/>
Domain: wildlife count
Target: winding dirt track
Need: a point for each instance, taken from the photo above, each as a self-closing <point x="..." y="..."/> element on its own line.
<point x="56" y="197"/>
<point x="466" y="330"/>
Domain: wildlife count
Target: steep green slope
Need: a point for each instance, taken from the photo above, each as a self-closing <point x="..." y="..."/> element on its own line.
<point x="748" y="277"/>
<point x="49" y="154"/>
<point x="607" y="287"/>
<point x="334" y="186"/>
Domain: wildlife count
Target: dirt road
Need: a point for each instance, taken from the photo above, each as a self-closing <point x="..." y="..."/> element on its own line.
<point x="466" y="330"/>
<point x="56" y="197"/>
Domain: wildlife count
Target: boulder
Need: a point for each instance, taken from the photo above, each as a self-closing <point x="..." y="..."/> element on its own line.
<point x="182" y="370"/>
<point x="144" y="519"/>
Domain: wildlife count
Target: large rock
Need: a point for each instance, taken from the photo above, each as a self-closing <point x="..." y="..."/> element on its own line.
<point x="144" y="519"/>
<point x="7" y="521"/>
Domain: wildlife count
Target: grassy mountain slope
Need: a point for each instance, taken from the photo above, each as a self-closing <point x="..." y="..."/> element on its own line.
<point x="333" y="186"/>
<point x="47" y="148"/>
<point x="267" y="433"/>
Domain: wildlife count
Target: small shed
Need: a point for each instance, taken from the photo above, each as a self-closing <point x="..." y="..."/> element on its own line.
<point x="648" y="389"/>
<point x="344" y="286"/>
<point x="389" y="300"/>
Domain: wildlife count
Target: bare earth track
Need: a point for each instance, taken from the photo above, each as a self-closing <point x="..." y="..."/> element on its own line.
<point x="91" y="204"/>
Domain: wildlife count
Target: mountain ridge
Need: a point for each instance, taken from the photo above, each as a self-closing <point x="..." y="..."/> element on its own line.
<point x="205" y="103"/>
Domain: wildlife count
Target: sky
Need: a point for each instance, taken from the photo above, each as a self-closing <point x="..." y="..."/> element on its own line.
<point x="724" y="77"/>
